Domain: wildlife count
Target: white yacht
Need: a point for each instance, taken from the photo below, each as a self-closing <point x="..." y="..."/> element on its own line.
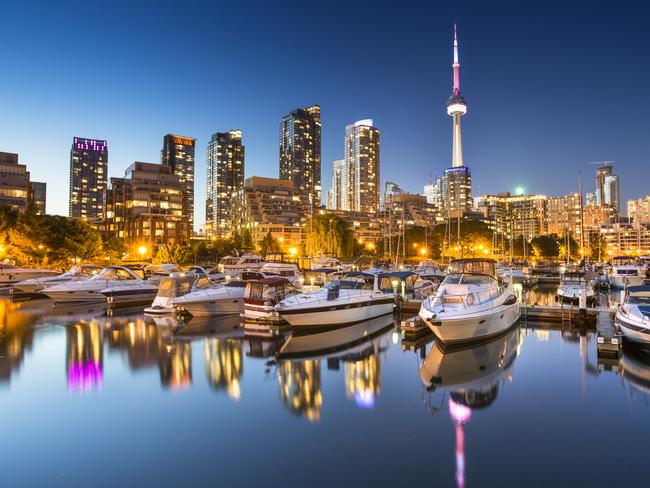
<point x="573" y="284"/>
<point x="289" y="271"/>
<point x="76" y="273"/>
<point x="354" y="298"/>
<point x="142" y="291"/>
<point x="12" y="274"/>
<point x="91" y="289"/>
<point x="323" y="261"/>
<point x="232" y="265"/>
<point x="471" y="304"/>
<point x="430" y="270"/>
<point x="223" y="299"/>
<point x="624" y="272"/>
<point x="633" y="316"/>
<point x="175" y="286"/>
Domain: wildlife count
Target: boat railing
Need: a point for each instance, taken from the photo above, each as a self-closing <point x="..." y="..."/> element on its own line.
<point x="331" y="296"/>
<point x="469" y="299"/>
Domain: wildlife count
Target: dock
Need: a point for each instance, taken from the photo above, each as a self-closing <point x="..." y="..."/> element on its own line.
<point x="608" y="338"/>
<point x="566" y="314"/>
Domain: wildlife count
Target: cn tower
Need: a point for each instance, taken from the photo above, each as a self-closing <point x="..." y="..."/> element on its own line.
<point x="456" y="108"/>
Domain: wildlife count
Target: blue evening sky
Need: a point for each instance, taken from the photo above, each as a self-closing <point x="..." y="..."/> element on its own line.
<point x="551" y="86"/>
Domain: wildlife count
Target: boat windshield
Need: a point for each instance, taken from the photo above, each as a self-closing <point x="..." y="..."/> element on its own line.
<point x="113" y="274"/>
<point x="348" y="285"/>
<point x="175" y="286"/>
<point x="478" y="267"/>
<point x="467" y="279"/>
<point x="229" y="261"/>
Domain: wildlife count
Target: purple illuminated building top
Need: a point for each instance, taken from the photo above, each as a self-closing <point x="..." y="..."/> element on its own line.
<point x="93" y="145"/>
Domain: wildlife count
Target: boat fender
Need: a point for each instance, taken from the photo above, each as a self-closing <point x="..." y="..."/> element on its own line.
<point x="510" y="300"/>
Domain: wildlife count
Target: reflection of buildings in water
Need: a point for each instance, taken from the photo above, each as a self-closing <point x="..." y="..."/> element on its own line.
<point x="472" y="377"/>
<point x="363" y="380"/>
<point x="84" y="356"/>
<point x="176" y="365"/>
<point x="300" y="387"/>
<point x="223" y="365"/>
<point x="542" y="335"/>
<point x="16" y="336"/>
<point x="137" y="338"/>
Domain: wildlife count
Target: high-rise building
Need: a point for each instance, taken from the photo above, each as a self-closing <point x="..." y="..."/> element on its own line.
<point x="147" y="208"/>
<point x="340" y="188"/>
<point x="178" y="154"/>
<point x="272" y="205"/>
<point x="458" y="199"/>
<point x="514" y="216"/>
<point x="638" y="210"/>
<point x="362" y="161"/>
<point x="626" y="238"/>
<point x="224" y="179"/>
<point x="88" y="178"/>
<point x="14" y="182"/>
<point x="563" y="215"/>
<point x="300" y="151"/>
<point x="39" y="196"/>
<point x="408" y="210"/>
<point x="607" y="187"/>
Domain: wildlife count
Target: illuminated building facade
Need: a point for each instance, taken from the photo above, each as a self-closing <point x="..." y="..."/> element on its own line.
<point x="563" y="215"/>
<point x="410" y="209"/>
<point x="638" y="210"/>
<point x="225" y="178"/>
<point x="178" y="154"/>
<point x="88" y="178"/>
<point x="515" y="216"/>
<point x="625" y="238"/>
<point x="607" y="187"/>
<point x="362" y="161"/>
<point x="367" y="228"/>
<point x="15" y="188"/>
<point x="300" y="152"/>
<point x="39" y="196"/>
<point x="339" y="190"/>
<point x="272" y="205"/>
<point x="147" y="208"/>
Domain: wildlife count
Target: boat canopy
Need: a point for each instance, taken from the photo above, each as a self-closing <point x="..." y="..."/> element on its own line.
<point x="473" y="266"/>
<point x="176" y="285"/>
<point x="407" y="277"/>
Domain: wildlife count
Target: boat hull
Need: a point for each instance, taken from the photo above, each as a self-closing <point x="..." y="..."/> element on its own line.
<point x="632" y="329"/>
<point x="621" y="282"/>
<point x="477" y="327"/>
<point x="224" y="306"/>
<point x="344" y="314"/>
<point x="75" y="296"/>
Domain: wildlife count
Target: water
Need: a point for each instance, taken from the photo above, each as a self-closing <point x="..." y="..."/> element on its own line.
<point x="88" y="399"/>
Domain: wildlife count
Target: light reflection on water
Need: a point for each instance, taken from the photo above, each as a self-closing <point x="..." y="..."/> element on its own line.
<point x="351" y="398"/>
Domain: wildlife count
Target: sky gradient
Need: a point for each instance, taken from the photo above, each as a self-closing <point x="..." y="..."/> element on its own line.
<point x="550" y="87"/>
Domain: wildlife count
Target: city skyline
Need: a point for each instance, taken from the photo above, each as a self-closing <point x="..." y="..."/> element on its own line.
<point x="513" y="67"/>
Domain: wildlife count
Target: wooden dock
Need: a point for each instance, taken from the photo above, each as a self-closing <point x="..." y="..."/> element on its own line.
<point x="608" y="338"/>
<point x="566" y="314"/>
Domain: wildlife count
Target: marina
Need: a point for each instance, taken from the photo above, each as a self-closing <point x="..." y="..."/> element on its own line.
<point x="201" y="386"/>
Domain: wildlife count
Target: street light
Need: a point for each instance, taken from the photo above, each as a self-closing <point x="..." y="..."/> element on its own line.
<point x="293" y="251"/>
<point x="423" y="251"/>
<point x="142" y="251"/>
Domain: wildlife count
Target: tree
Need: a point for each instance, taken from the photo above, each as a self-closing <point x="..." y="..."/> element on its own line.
<point x="269" y="244"/>
<point x="114" y="247"/>
<point x="330" y="234"/>
<point x="546" y="246"/>
<point x="176" y="254"/>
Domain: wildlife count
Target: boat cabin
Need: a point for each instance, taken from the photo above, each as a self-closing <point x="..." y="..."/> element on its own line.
<point x="474" y="271"/>
<point x="315" y="278"/>
<point x="268" y="291"/>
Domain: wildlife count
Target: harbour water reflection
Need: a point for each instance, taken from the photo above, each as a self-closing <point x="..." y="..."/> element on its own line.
<point x="351" y="399"/>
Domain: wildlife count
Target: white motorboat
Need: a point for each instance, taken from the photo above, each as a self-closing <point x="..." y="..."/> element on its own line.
<point x="91" y="289"/>
<point x="472" y="304"/>
<point x="430" y="270"/>
<point x="261" y="297"/>
<point x="325" y="262"/>
<point x="223" y="299"/>
<point x="625" y="272"/>
<point x="573" y="285"/>
<point x="175" y="286"/>
<point x="76" y="273"/>
<point x="232" y="265"/>
<point x="12" y="274"/>
<point x="143" y="291"/>
<point x="633" y="316"/>
<point x="348" y="300"/>
<point x="289" y="271"/>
